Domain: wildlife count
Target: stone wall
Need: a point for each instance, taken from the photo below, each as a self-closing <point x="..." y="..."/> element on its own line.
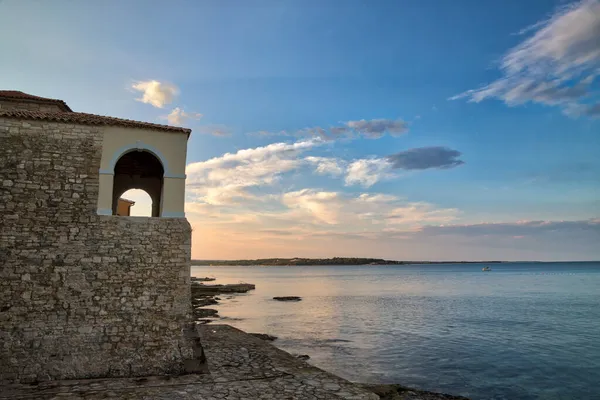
<point x="28" y="106"/>
<point x="82" y="295"/>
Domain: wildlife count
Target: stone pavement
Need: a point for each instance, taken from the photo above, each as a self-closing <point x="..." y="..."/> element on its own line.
<point x="241" y="367"/>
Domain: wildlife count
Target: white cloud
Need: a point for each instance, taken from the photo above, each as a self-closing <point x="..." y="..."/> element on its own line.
<point x="396" y="214"/>
<point x="179" y="117"/>
<point x="421" y="213"/>
<point x="367" y="172"/>
<point x="251" y="187"/>
<point x="308" y="211"/>
<point x="589" y="228"/>
<point x="327" y="165"/>
<point x="371" y="129"/>
<point x="324" y="206"/>
<point x="228" y="217"/>
<point x="375" y="198"/>
<point x="215" y="130"/>
<point x="566" y="41"/>
<point x="225" y="195"/>
<point x="375" y="213"/>
<point x="246" y="156"/>
<point x="589" y="110"/>
<point x="225" y="179"/>
<point x="376" y="128"/>
<point x="156" y="93"/>
<point x="316" y="131"/>
<point x="556" y="65"/>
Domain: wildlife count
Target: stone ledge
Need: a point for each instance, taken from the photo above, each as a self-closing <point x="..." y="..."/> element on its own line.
<point x="241" y="367"/>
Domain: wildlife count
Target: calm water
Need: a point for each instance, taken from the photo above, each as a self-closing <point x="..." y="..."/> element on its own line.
<point x="522" y="331"/>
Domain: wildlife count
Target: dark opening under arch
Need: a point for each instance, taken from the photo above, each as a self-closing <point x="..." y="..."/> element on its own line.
<point x="139" y="170"/>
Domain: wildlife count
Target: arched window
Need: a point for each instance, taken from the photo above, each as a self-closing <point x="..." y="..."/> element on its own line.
<point x="135" y="203"/>
<point x="139" y="170"/>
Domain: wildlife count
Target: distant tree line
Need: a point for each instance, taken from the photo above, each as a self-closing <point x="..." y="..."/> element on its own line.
<point x="322" y="261"/>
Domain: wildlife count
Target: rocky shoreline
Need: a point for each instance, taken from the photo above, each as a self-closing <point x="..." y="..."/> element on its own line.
<point x="206" y="295"/>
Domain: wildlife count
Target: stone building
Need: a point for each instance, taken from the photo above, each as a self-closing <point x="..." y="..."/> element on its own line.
<point x="85" y="293"/>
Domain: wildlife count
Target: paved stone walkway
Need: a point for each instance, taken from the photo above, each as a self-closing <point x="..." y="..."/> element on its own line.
<point x="241" y="367"/>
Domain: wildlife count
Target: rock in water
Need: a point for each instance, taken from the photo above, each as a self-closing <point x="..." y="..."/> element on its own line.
<point x="205" y="279"/>
<point x="204" y="301"/>
<point x="206" y="313"/>
<point x="199" y="289"/>
<point x="399" y="392"/>
<point x="287" y="298"/>
<point x="264" y="336"/>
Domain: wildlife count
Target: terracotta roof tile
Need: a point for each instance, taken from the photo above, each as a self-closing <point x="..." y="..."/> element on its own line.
<point x="18" y="95"/>
<point x="88" y="119"/>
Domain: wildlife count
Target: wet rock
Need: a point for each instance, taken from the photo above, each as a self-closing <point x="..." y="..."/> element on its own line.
<point x="337" y="341"/>
<point x="206" y="313"/>
<point x="399" y="392"/>
<point x="264" y="336"/>
<point x="288" y="298"/>
<point x="205" y="279"/>
<point x="232" y="319"/>
<point x="204" y="301"/>
<point x="200" y="289"/>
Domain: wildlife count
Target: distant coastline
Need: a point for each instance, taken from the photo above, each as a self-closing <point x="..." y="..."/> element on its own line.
<point x="326" y="261"/>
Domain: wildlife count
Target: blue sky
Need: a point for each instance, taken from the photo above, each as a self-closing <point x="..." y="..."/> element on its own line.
<point x="518" y="154"/>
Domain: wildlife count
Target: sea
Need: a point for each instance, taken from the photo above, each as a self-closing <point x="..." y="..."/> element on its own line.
<point x="520" y="331"/>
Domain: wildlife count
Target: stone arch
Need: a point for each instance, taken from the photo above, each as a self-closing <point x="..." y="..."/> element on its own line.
<point x="139" y="146"/>
<point x="139" y="169"/>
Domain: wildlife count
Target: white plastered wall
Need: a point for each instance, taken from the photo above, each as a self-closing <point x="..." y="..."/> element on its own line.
<point x="169" y="147"/>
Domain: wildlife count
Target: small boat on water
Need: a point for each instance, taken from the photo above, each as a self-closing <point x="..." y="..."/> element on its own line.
<point x="486" y="269"/>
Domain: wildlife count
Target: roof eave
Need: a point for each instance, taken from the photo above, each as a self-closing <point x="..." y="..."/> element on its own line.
<point x="64" y="118"/>
<point x="55" y="102"/>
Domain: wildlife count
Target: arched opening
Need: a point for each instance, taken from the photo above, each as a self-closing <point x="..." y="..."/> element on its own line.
<point x="135" y="203"/>
<point x="139" y="170"/>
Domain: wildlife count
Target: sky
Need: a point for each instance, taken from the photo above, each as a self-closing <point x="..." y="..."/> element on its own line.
<point x="408" y="130"/>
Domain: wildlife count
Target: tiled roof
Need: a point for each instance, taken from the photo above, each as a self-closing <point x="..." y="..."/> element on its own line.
<point x="88" y="119"/>
<point x="20" y="96"/>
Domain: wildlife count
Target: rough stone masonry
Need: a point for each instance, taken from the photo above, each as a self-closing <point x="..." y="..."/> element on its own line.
<point x="82" y="295"/>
